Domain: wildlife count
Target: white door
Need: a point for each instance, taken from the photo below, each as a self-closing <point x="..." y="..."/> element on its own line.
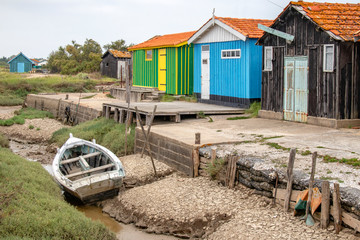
<point x="205" y="72"/>
<point x="121" y="74"/>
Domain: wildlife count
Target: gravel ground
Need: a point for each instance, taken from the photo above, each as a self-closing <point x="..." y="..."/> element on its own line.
<point x="139" y="171"/>
<point x="200" y="208"/>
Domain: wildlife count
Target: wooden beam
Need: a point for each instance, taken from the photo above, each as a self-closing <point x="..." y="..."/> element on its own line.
<point x="70" y="160"/>
<point x="275" y="32"/>
<point x="196" y="160"/>
<point x="90" y="171"/>
<point x="290" y="178"/>
<point x="337" y="208"/>
<point x="325" y="204"/>
<point x="311" y="183"/>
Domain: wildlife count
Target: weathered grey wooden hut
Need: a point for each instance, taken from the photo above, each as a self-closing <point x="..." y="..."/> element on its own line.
<point x="113" y="63"/>
<point x="311" y="64"/>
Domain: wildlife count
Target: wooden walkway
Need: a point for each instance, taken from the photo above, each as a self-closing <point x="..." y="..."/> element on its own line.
<point x="174" y="110"/>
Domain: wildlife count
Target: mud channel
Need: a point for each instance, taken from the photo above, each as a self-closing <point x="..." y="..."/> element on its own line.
<point x="44" y="154"/>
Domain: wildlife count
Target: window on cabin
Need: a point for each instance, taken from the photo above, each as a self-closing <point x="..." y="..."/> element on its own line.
<point x="149" y="55"/>
<point x="205" y="48"/>
<point x="268" y="56"/>
<point x="328" y="58"/>
<point x="106" y="64"/>
<point x="231" y="53"/>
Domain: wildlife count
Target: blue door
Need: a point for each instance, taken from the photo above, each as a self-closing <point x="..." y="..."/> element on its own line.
<point x="20" y="67"/>
<point x="296" y="89"/>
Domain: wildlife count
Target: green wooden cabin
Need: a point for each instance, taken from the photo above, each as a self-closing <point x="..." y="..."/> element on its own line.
<point x="165" y="62"/>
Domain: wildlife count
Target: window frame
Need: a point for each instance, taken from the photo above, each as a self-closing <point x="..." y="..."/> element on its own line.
<point x="266" y="68"/>
<point x="325" y="59"/>
<point x="231" y="50"/>
<point x="146" y="55"/>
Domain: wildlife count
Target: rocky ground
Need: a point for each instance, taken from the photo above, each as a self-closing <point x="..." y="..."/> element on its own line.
<point x="181" y="206"/>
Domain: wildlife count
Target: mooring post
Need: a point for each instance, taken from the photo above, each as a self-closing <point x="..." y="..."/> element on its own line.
<point x="196" y="160"/>
<point x="337" y="208"/>
<point x="197" y="138"/>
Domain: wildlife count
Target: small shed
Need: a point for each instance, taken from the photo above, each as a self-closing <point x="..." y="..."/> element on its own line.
<point x="227" y="63"/>
<point x="311" y="63"/>
<point x="164" y="62"/>
<point x="21" y="63"/>
<point x="113" y="63"/>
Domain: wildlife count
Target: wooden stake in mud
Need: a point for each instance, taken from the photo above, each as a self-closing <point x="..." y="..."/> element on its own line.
<point x="197" y="138"/>
<point x="148" y="130"/>
<point x="325" y="204"/>
<point x="231" y="172"/>
<point x="290" y="178"/>
<point x="337" y="208"/>
<point x="311" y="184"/>
<point x="276" y="187"/>
<point x="128" y="91"/>
<point x="146" y="140"/>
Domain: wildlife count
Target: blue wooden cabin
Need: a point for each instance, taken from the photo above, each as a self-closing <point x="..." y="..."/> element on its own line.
<point x="21" y="64"/>
<point x="227" y="63"/>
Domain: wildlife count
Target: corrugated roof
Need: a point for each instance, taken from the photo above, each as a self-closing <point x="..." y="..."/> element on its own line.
<point x="247" y="27"/>
<point x="341" y="19"/>
<point x="119" y="54"/>
<point x="164" y="41"/>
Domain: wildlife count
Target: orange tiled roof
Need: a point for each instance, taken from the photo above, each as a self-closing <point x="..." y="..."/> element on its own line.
<point x="341" y="19"/>
<point x="34" y="60"/>
<point x="120" y="54"/>
<point x="164" y="40"/>
<point x="247" y="27"/>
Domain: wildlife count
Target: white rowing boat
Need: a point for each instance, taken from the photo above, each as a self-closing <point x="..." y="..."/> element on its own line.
<point x="87" y="170"/>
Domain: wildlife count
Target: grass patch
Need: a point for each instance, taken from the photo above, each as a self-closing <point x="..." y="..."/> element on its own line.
<point x="349" y="161"/>
<point x="109" y="95"/>
<point x="191" y="98"/>
<point x="254" y="109"/>
<point x="320" y="147"/>
<point x="267" y="138"/>
<point x="305" y="153"/>
<point x="32" y="207"/>
<point x="277" y="146"/>
<point x="4" y="142"/>
<point x="88" y="97"/>
<point x="167" y="98"/>
<point x="238" y="118"/>
<point x="328" y="172"/>
<point x="25" y="113"/>
<point x="31" y="127"/>
<point x="213" y="168"/>
<point x="332" y="178"/>
<point x="106" y="132"/>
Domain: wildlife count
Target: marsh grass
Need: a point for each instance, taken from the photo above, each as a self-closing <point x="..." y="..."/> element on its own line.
<point x="106" y="132"/>
<point x="25" y="113"/>
<point x="213" y="168"/>
<point x="14" y="87"/>
<point x="32" y="207"/>
<point x="254" y="109"/>
<point x="167" y="98"/>
<point x="4" y="141"/>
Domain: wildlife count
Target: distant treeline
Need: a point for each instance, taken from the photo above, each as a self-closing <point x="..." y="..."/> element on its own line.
<point x="75" y="58"/>
<point x="4" y="60"/>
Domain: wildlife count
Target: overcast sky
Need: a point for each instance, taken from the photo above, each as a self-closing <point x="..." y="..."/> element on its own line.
<point x="37" y="27"/>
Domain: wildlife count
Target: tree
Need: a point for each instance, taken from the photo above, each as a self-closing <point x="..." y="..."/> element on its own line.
<point x="117" y="45"/>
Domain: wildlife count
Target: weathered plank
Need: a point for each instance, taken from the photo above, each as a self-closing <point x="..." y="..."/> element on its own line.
<point x="311" y="183"/>
<point x="337" y="208"/>
<point x="290" y="178"/>
<point x="325" y="204"/>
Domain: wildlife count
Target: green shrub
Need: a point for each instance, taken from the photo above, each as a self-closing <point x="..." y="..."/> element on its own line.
<point x="213" y="168"/>
<point x="167" y="98"/>
<point x="107" y="133"/>
<point x="4" y="142"/>
<point x="254" y="109"/>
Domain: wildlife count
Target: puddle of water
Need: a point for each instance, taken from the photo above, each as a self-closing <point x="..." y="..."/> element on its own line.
<point x="123" y="231"/>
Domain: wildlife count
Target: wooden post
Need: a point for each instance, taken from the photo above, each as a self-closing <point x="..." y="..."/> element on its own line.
<point x="146" y="141"/>
<point x="337" y="208"/>
<point x="311" y="183"/>
<point x="108" y="110"/>
<point x="290" y="178"/>
<point x="147" y="137"/>
<point x="122" y="116"/>
<point x="197" y="138"/>
<point x="104" y="111"/>
<point x="231" y="172"/>
<point x="116" y="115"/>
<point x="196" y="159"/>
<point x="325" y="204"/>
<point x="213" y="155"/>
<point x="131" y="115"/>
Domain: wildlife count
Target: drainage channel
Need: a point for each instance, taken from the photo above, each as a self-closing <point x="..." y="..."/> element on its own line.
<point x="38" y="152"/>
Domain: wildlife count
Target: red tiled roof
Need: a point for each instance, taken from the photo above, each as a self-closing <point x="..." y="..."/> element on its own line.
<point x="119" y="54"/>
<point x="164" y="40"/>
<point x="341" y="19"/>
<point x="247" y="27"/>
